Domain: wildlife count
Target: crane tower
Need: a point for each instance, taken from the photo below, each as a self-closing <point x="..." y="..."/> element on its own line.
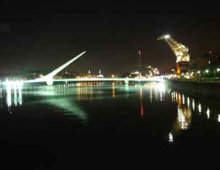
<point x="181" y="52"/>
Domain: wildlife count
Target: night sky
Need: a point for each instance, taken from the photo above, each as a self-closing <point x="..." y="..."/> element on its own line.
<point x="45" y="34"/>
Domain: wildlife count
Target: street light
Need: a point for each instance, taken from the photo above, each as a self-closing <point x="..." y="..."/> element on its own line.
<point x="206" y="73"/>
<point x="218" y="70"/>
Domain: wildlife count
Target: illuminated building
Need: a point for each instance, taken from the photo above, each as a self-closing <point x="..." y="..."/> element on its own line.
<point x="100" y="74"/>
<point x="89" y="74"/>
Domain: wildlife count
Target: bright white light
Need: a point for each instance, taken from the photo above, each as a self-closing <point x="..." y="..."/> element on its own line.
<point x="182" y="119"/>
<point x="198" y="72"/>
<point x="15" y="96"/>
<point x="13" y="83"/>
<point x="49" y="81"/>
<point x="188" y="101"/>
<point x="8" y="96"/>
<point x="200" y="108"/>
<point x="183" y="97"/>
<point x="208" y="113"/>
<point x="170" y="137"/>
<point x="193" y="105"/>
<point x="218" y="117"/>
<point x="7" y="83"/>
<point x="218" y="69"/>
<point x="160" y="86"/>
<point x="126" y="81"/>
<point x="20" y="96"/>
<point x="167" y="36"/>
<point x="207" y="71"/>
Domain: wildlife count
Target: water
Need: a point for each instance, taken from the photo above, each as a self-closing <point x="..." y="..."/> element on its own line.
<point x="41" y="125"/>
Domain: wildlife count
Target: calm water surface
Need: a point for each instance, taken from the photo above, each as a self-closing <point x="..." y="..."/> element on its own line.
<point x="41" y="125"/>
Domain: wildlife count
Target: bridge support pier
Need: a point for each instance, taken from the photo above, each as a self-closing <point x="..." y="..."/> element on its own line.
<point x="49" y="82"/>
<point x="126" y="82"/>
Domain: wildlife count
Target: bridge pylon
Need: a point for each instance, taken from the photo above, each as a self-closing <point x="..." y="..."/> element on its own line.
<point x="126" y="81"/>
<point x="49" y="77"/>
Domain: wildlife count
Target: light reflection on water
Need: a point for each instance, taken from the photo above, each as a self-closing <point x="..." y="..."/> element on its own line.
<point x="67" y="98"/>
<point x="113" y="90"/>
<point x="71" y="109"/>
<point x="184" y="115"/>
<point x="186" y="107"/>
<point x="13" y="96"/>
<point x="1" y="93"/>
<point x="170" y="137"/>
<point x="141" y="103"/>
<point x="8" y="96"/>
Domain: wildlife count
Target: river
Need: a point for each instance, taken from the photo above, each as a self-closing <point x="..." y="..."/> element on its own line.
<point x="40" y="124"/>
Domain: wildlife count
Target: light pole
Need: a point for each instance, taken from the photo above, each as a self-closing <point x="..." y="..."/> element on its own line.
<point x="140" y="62"/>
<point x="218" y="70"/>
<point x="206" y="73"/>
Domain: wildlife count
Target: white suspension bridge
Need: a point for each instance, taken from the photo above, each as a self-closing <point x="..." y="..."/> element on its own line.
<point x="49" y="80"/>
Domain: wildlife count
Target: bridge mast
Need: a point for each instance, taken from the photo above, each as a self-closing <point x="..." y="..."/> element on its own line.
<point x="181" y="52"/>
<point x="49" y="77"/>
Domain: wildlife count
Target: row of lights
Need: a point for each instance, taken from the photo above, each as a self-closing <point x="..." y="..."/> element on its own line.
<point x="190" y="75"/>
<point x="207" y="71"/>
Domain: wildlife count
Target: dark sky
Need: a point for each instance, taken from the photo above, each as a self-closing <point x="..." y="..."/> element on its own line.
<point x="45" y="34"/>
